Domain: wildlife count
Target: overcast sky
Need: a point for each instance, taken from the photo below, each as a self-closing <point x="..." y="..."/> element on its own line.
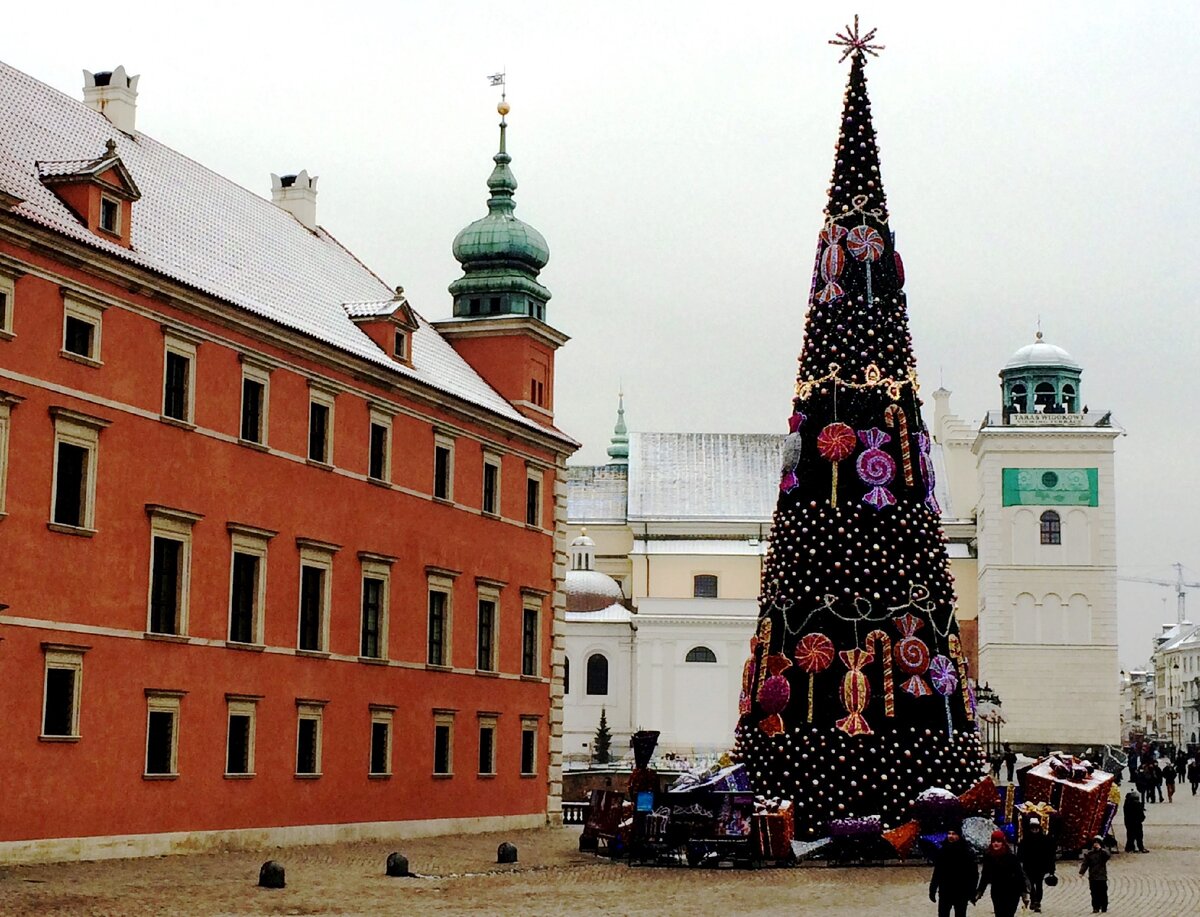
<point x="1039" y="160"/>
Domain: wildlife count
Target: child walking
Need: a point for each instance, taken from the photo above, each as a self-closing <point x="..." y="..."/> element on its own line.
<point x="1095" y="864"/>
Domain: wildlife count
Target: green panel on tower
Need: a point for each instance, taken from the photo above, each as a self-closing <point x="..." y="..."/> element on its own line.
<point x="1051" y="487"/>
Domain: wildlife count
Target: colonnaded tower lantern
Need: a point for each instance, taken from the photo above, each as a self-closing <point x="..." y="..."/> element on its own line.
<point x="856" y="697"/>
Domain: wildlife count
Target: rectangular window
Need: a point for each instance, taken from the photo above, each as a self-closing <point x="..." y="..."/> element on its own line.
<point x="486" y="638"/>
<point x="110" y="215"/>
<point x="372" y="614"/>
<point x="243" y="601"/>
<point x="7" y="402"/>
<point x="8" y="291"/>
<point x="400" y="345"/>
<point x="239" y="746"/>
<point x="170" y="573"/>
<point x="82" y="324"/>
<point x="162" y="733"/>
<point x="73" y="492"/>
<point x="438" y="602"/>
<point x="316" y="571"/>
<point x="443" y="468"/>
<point x="379" y="458"/>
<point x="63" y="689"/>
<point x="529" y="641"/>
<point x="487" y="745"/>
<point x="529" y="734"/>
<point x="179" y="377"/>
<point x="254" y="400"/>
<point x="533" y="498"/>
<point x="491" y="485"/>
<point x="320" y="426"/>
<point x="443" y="743"/>
<point x="381" y="741"/>
<point x="308" y="739"/>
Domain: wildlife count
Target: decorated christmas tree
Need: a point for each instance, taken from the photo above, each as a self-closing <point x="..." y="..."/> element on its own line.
<point x="855" y="697"/>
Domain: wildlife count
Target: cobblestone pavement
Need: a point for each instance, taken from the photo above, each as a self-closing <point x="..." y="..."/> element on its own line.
<point x="552" y="879"/>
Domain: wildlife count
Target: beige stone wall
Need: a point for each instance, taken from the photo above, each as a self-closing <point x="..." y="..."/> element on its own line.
<point x="670" y="576"/>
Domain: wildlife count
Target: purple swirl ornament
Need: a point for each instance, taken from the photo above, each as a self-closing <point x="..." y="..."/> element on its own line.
<point x="876" y="468"/>
<point x="945" y="679"/>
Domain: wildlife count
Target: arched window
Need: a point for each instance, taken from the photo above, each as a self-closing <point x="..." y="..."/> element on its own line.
<point x="566" y="675"/>
<point x="1051" y="528"/>
<point x="704" y="586"/>
<point x="597" y="674"/>
<point x="700" y="654"/>
<point x="1069" y="398"/>
<point x="1043" y="396"/>
<point x="1019" y="395"/>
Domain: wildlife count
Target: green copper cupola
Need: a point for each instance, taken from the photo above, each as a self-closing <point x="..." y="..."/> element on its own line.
<point x="500" y="255"/>
<point x="618" y="452"/>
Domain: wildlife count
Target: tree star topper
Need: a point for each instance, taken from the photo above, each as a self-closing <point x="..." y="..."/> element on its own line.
<point x="852" y="41"/>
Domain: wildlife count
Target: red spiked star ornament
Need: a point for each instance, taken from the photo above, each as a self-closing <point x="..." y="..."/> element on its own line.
<point x="855" y="43"/>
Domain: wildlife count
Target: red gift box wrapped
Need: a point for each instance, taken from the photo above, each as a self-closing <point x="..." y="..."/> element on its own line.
<point x="1080" y="803"/>
<point x="773" y="833"/>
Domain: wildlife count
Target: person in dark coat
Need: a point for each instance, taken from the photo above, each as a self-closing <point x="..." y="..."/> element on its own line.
<point x="1095" y="864"/>
<point x="1168" y="775"/>
<point x="1010" y="761"/>
<point x="1002" y="871"/>
<point x="1156" y="772"/>
<point x="1134" y="813"/>
<point x="954" y="876"/>
<point x="1193" y="774"/>
<point x="1036" y="851"/>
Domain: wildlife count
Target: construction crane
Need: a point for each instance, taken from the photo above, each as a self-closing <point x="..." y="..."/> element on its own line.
<point x="1177" y="584"/>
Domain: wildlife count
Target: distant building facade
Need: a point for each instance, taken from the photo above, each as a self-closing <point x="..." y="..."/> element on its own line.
<point x="282" y="561"/>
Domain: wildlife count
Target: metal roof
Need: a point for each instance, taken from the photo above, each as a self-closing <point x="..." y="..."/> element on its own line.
<point x="711" y="476"/>
<point x="597" y="493"/>
<point x="202" y="230"/>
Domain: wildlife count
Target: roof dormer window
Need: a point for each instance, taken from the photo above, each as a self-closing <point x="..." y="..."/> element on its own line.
<point x="110" y="214"/>
<point x="400" y="345"/>
<point x="100" y="192"/>
<point x="390" y="323"/>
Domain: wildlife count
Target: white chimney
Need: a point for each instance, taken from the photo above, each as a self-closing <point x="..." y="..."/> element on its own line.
<point x="114" y="95"/>
<point x="297" y="194"/>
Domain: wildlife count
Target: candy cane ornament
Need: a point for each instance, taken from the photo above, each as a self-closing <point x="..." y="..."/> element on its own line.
<point x="883" y="642"/>
<point x="890" y="416"/>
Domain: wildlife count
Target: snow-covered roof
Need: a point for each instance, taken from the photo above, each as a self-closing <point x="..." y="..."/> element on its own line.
<point x="597" y="493"/>
<point x="713" y="476"/>
<point x="613" y="614"/>
<point x="200" y="229"/>
<point x="711" y="547"/>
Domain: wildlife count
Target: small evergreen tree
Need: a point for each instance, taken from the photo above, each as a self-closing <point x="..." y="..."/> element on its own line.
<point x="603" y="742"/>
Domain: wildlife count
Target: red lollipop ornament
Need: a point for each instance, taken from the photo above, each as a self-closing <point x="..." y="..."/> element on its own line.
<point x="835" y="443"/>
<point x="814" y="653"/>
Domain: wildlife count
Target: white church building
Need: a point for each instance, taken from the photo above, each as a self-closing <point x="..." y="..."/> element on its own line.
<point x="670" y="535"/>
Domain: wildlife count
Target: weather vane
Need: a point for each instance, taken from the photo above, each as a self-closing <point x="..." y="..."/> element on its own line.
<point x="852" y="41"/>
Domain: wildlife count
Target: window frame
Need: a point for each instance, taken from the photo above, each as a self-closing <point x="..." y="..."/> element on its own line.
<point x="443" y="719"/>
<point x="381" y="714"/>
<point x="494" y="462"/>
<point x="185" y="347"/>
<point x="318" y="555"/>
<point x="695" y="651"/>
<point x="699" y="593"/>
<point x="176" y="525"/>
<point x="534" y="490"/>
<point x="1050" y="528"/>
<point x="91" y="312"/>
<point x="260" y="375"/>
<point x="114" y="207"/>
<point x="160" y="700"/>
<point x="529" y="727"/>
<point x="8" y="401"/>
<point x="254" y="541"/>
<point x="383" y="419"/>
<point x="531" y="663"/>
<point x="400" y="345"/>
<point x="325" y="398"/>
<point x="63" y="657"/>
<point x="83" y="431"/>
<point x="8" y="290"/>
<point x="242" y="705"/>
<point x="308" y="710"/>
<point x="376" y="567"/>
<point x="490" y="593"/>
<point x="442" y="583"/>
<point x="588" y="676"/>
<point x="443" y="441"/>
<point x="487" y="722"/>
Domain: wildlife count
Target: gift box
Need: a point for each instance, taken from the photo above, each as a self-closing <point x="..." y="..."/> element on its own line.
<point x="981" y="799"/>
<point x="774" y="832"/>
<point x="903" y="838"/>
<point x="1043" y="812"/>
<point x="730" y="779"/>
<point x="859" y="828"/>
<point x="1010" y="797"/>
<point x="1077" y="792"/>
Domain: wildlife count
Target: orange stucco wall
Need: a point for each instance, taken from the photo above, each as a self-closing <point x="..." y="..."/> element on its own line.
<point x="509" y="362"/>
<point x="67" y="588"/>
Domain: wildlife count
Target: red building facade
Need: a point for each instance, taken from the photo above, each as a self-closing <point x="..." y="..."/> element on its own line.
<point x="277" y="564"/>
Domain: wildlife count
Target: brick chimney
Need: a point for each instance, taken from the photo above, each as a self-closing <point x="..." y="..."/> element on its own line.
<point x="113" y="93"/>
<point x="297" y="194"/>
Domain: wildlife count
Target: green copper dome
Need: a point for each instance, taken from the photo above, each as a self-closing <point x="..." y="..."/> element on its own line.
<point x="501" y="256"/>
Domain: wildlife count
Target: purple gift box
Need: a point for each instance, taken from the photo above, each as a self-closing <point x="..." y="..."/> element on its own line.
<point x="870" y="825"/>
<point x="733" y="778"/>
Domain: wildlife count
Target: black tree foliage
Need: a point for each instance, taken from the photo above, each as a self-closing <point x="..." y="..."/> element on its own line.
<point x="856" y="697"/>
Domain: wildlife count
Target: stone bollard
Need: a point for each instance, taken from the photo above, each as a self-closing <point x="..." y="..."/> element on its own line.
<point x="397" y="865"/>
<point x="271" y="875"/>
<point x="506" y="853"/>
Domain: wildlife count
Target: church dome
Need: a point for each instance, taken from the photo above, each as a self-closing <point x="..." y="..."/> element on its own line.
<point x="591" y="590"/>
<point x="500" y="236"/>
<point x="1041" y="354"/>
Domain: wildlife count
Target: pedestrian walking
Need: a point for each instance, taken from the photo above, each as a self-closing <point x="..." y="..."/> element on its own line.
<point x="955" y="876"/>
<point x="1180" y="764"/>
<point x="1193" y="774"/>
<point x="1134" y="814"/>
<point x="1157" y="772"/>
<point x="1168" y="775"/>
<point x="1036" y="852"/>
<point x="1002" y="871"/>
<point x="1010" y="761"/>
<point x="996" y="760"/>
<point x="1095" y="864"/>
